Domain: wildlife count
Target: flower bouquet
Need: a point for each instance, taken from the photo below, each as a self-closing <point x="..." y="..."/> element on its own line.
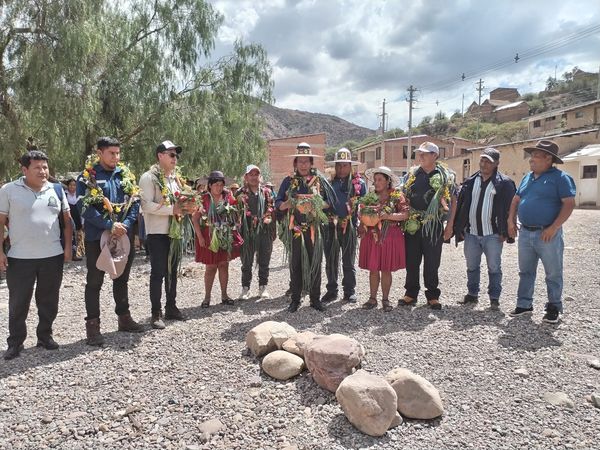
<point x="304" y="203"/>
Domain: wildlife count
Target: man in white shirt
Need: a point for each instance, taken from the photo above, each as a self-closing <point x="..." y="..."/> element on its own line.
<point x="160" y="187"/>
<point x="32" y="207"/>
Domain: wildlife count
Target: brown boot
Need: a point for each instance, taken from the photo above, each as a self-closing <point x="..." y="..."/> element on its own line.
<point x="92" y="329"/>
<point x="126" y="323"/>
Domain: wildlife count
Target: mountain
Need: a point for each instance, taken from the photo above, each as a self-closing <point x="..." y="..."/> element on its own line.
<point x="281" y="122"/>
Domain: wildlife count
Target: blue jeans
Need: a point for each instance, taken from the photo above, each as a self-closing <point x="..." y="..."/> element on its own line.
<point x="491" y="246"/>
<point x="531" y="250"/>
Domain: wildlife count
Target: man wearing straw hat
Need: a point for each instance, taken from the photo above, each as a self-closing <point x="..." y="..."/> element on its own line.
<point x="340" y="233"/>
<point x="303" y="196"/>
<point x="544" y="201"/>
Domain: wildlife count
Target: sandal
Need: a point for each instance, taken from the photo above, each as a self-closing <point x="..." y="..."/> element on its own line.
<point x="434" y="303"/>
<point x="385" y="303"/>
<point x="407" y="301"/>
<point x="205" y="303"/>
<point x="227" y="301"/>
<point x="372" y="303"/>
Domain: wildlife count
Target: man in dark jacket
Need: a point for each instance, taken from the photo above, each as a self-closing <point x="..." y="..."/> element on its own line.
<point x="482" y="222"/>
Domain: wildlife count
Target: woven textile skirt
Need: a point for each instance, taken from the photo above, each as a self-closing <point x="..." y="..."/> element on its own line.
<point x="385" y="256"/>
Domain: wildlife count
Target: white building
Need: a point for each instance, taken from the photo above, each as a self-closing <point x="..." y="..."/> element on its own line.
<point x="583" y="166"/>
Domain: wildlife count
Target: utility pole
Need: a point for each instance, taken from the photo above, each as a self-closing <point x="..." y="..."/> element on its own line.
<point x="479" y="88"/>
<point x="462" y="107"/>
<point x="383" y="115"/>
<point x="411" y="99"/>
<point x="598" y="93"/>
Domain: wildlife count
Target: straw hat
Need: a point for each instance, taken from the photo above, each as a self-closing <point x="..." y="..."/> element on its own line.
<point x="370" y="174"/>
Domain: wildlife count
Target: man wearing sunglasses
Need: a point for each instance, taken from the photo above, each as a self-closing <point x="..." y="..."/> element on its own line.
<point x="160" y="187"/>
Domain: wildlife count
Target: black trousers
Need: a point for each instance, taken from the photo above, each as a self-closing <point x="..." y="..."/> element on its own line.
<point x="159" y="245"/>
<point x="21" y="276"/>
<point x="420" y="248"/>
<point x="260" y="249"/>
<point x="296" y="269"/>
<point x="332" y="260"/>
<point x="95" y="279"/>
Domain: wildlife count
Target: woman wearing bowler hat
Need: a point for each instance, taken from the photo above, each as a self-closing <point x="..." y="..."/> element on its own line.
<point x="218" y="240"/>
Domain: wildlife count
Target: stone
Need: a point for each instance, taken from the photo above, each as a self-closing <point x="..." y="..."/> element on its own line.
<point x="255" y="381"/>
<point x="332" y="358"/>
<point x="298" y="343"/>
<point x="568" y="298"/>
<point x="595" y="399"/>
<point x="47" y="419"/>
<point x="594" y="363"/>
<point x="268" y="336"/>
<point x="559" y="399"/>
<point x="523" y="373"/>
<point x="368" y="401"/>
<point x="282" y="365"/>
<point x="417" y="397"/>
<point x="210" y="427"/>
<point x="103" y="427"/>
<point x="397" y="421"/>
<point x="550" y="433"/>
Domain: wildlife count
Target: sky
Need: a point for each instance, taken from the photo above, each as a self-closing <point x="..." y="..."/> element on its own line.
<point x="343" y="57"/>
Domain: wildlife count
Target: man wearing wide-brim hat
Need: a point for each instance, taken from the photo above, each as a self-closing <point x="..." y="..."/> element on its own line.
<point x="431" y="192"/>
<point x="300" y="196"/>
<point x="340" y="233"/>
<point x="544" y="201"/>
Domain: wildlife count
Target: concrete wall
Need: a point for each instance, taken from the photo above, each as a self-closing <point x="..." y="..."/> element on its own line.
<point x="279" y="153"/>
<point x="588" y="115"/>
<point x="512" y="114"/>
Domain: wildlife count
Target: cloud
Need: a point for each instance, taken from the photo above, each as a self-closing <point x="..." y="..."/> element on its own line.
<point x="343" y="57"/>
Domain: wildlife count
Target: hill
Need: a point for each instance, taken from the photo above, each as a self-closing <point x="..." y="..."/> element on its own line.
<point x="281" y="122"/>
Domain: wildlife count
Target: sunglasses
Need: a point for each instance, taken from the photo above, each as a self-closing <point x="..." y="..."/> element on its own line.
<point x="172" y="155"/>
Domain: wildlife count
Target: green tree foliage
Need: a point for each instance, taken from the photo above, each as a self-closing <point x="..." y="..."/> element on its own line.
<point x="141" y="70"/>
<point x="505" y="132"/>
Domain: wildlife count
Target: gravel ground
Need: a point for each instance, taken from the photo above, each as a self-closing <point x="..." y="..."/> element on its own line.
<point x="156" y="389"/>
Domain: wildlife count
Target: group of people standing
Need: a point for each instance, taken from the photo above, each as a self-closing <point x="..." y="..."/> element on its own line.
<point x="313" y="216"/>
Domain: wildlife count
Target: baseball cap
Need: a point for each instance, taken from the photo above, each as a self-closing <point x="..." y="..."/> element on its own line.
<point x="250" y="168"/>
<point x="428" y="147"/>
<point x="168" y="145"/>
<point x="491" y="153"/>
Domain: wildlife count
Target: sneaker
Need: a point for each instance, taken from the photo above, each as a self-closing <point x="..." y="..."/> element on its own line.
<point x="156" y="321"/>
<point x="262" y="293"/>
<point x="469" y="300"/>
<point x="349" y="298"/>
<point x="551" y="315"/>
<point x="48" y="343"/>
<point x="245" y="295"/>
<point x="521" y="312"/>
<point x="494" y="304"/>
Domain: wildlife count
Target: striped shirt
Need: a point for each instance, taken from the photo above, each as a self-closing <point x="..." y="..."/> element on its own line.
<point x="480" y="212"/>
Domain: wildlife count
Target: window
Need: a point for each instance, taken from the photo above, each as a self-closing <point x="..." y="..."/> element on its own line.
<point x="378" y="153"/>
<point x="442" y="152"/>
<point x="550" y="119"/>
<point x="579" y="114"/>
<point x="466" y="168"/>
<point x="537" y="123"/>
<point x="362" y="157"/>
<point x="590" y="172"/>
<point x="564" y="115"/>
<point x="405" y="150"/>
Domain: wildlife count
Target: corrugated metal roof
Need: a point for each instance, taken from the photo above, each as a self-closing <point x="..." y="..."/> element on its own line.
<point x="510" y="105"/>
<point x="587" y="151"/>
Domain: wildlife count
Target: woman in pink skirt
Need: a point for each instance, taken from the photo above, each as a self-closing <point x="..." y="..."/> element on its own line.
<point x="382" y="245"/>
<point x="218" y="240"/>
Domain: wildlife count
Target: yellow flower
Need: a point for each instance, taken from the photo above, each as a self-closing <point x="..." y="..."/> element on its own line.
<point x="86" y="173"/>
<point x="117" y="209"/>
<point x="94" y="192"/>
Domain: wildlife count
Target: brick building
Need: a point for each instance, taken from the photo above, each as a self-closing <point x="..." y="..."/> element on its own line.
<point x="502" y="106"/>
<point x="280" y="150"/>
<point x="393" y="152"/>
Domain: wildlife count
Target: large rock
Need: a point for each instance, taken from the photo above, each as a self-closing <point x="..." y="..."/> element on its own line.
<point x="559" y="399"/>
<point x="417" y="397"/>
<point x="298" y="343"/>
<point x="282" y="365"/>
<point x="332" y="358"/>
<point x="368" y="401"/>
<point x="268" y="336"/>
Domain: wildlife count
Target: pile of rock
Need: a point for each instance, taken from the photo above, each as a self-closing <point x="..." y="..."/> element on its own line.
<point x="372" y="403"/>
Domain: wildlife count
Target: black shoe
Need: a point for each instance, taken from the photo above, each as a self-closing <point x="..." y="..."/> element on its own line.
<point x="349" y="298"/>
<point x="469" y="300"/>
<point x="288" y="293"/>
<point x="47" y="343"/>
<point x="317" y="305"/>
<point x="551" y="315"/>
<point x="173" y="313"/>
<point x="494" y="304"/>
<point x="521" y="312"/>
<point x="294" y="306"/>
<point x="329" y="297"/>
<point x="13" y="352"/>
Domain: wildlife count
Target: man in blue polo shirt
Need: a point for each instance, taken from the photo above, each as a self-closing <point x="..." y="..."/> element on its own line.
<point x="544" y="201"/>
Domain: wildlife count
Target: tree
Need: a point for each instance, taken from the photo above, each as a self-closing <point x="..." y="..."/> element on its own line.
<point x="72" y="70"/>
